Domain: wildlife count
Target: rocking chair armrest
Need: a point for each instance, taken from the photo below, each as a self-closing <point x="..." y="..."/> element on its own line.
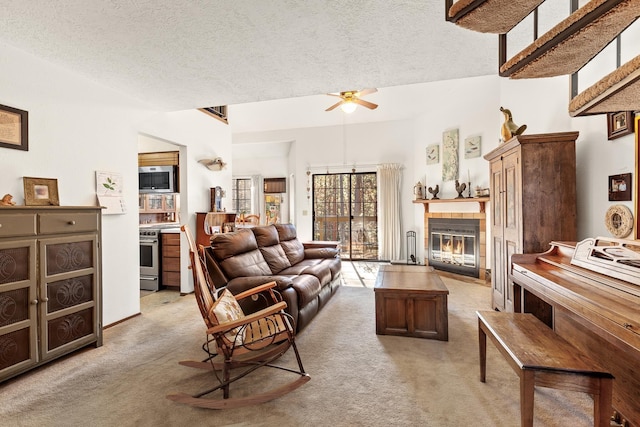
<point x="227" y="326"/>
<point x="256" y="290"/>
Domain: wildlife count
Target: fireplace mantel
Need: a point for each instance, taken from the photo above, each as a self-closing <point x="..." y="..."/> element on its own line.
<point x="480" y="200"/>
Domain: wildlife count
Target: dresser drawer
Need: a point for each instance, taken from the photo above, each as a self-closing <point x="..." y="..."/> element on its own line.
<point x="71" y="222"/>
<point x="17" y="225"/>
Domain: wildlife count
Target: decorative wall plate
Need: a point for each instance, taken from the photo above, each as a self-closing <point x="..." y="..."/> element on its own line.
<point x="619" y="221"/>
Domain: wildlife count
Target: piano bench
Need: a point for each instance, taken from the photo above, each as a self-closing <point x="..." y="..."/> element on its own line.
<point x="541" y="357"/>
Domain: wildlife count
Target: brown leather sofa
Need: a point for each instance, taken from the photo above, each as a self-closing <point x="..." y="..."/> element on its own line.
<point x="307" y="275"/>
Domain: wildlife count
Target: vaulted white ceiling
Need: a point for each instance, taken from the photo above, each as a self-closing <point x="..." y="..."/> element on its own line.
<point x="184" y="54"/>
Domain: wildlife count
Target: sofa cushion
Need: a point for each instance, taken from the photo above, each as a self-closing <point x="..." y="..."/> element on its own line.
<point x="289" y="241"/>
<point x="246" y="264"/>
<point x="275" y="258"/>
<point x="314" y="267"/>
<point x="266" y="235"/>
<point x="293" y="250"/>
<point x="225" y="245"/>
<point x="269" y="244"/>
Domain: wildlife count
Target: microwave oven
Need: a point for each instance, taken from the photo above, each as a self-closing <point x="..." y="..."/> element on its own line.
<point x="157" y="179"/>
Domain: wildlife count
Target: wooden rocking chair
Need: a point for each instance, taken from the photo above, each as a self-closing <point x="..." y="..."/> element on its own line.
<point x="241" y="342"/>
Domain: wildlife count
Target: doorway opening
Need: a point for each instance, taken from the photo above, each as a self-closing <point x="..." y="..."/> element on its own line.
<point x="345" y="209"/>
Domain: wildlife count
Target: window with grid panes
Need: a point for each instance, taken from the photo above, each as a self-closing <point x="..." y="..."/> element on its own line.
<point x="241" y="195"/>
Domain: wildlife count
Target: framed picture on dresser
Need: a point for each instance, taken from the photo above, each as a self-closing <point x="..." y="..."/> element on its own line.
<point x="40" y="191"/>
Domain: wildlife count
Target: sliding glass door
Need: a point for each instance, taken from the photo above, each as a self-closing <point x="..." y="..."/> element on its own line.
<point x="345" y="209"/>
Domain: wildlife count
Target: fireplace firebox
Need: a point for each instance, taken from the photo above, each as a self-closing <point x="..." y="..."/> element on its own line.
<point x="454" y="245"/>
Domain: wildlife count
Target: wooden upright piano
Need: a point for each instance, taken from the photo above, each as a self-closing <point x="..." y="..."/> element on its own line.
<point x="589" y="293"/>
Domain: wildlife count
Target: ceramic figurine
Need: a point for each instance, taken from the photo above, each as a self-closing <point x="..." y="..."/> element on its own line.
<point x="509" y="129"/>
<point x="417" y="191"/>
<point x="434" y="191"/>
<point x="460" y="189"/>
<point x="7" y="200"/>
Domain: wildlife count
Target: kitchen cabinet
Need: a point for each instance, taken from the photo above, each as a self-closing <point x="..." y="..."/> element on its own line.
<point x="158" y="208"/>
<point x="533" y="201"/>
<point x="50" y="284"/>
<point x="170" y="259"/>
<point x="154" y="203"/>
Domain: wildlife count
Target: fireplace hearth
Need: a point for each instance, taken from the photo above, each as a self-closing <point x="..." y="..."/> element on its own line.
<point x="454" y="245"/>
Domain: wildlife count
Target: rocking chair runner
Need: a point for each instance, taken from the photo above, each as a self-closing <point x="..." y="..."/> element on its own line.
<point x="241" y="341"/>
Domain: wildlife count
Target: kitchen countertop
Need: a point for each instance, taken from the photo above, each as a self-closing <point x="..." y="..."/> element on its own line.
<point x="164" y="228"/>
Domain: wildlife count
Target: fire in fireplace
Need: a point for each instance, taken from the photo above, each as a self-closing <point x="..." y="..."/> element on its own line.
<point x="454" y="245"/>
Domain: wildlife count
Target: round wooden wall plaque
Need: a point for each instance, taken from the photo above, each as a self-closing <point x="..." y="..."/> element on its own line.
<point x="619" y="221"/>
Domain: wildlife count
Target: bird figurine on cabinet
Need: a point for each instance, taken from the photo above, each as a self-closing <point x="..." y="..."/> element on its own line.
<point x="434" y="191"/>
<point x="7" y="200"/>
<point x="509" y="129"/>
<point x="460" y="189"/>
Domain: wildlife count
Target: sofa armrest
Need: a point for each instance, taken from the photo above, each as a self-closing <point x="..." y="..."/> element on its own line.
<point x="321" y="244"/>
<point x="315" y="253"/>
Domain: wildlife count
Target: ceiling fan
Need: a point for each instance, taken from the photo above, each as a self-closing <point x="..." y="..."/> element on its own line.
<point x="351" y="99"/>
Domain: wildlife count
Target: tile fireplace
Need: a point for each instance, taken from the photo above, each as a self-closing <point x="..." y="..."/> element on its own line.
<point x="455" y="245"/>
<point x="464" y="242"/>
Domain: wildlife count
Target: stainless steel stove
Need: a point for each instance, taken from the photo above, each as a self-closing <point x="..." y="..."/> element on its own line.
<point x="150" y="259"/>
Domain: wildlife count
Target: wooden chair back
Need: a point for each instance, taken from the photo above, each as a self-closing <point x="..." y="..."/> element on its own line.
<point x="202" y="290"/>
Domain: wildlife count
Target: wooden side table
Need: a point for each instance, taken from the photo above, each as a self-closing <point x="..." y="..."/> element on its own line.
<point x="411" y="301"/>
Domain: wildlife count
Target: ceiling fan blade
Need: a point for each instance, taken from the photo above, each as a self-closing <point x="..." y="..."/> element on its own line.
<point x="364" y="103"/>
<point x="364" y="92"/>
<point x="335" y="94"/>
<point x="334" y="106"/>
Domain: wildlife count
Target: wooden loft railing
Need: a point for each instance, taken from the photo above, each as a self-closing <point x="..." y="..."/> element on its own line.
<point x="617" y="91"/>
<point x="489" y="16"/>
<point x="564" y="49"/>
<point x="573" y="42"/>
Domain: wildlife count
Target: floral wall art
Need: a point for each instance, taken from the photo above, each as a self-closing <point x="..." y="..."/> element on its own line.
<point x="450" y="155"/>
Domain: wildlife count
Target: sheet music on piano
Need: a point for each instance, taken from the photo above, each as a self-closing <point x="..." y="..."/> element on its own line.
<point x="616" y="258"/>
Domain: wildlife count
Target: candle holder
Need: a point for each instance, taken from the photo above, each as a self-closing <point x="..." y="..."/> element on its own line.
<point x="469" y="188"/>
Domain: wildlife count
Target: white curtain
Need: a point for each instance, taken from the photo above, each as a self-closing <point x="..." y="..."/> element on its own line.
<point x="257" y="196"/>
<point x="389" y="212"/>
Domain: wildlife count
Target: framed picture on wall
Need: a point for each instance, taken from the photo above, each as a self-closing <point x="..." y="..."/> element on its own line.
<point x="620" y="187"/>
<point x="14" y="128"/>
<point x="619" y="124"/>
<point x="472" y="147"/>
<point x="433" y="154"/>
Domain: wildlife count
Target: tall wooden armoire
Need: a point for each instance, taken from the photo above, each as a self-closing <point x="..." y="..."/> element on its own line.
<point x="533" y="202"/>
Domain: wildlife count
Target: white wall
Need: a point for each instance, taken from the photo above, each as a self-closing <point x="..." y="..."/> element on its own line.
<point x="542" y="104"/>
<point x="77" y="127"/>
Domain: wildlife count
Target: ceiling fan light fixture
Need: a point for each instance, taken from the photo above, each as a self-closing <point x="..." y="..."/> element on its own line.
<point x="348" y="106"/>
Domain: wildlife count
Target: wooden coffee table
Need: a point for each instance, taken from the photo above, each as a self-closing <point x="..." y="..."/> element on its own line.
<point x="411" y="301"/>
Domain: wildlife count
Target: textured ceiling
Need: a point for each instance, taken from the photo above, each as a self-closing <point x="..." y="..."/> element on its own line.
<point x="184" y="54"/>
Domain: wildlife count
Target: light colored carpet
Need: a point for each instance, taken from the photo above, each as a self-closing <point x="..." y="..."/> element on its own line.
<point x="357" y="377"/>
